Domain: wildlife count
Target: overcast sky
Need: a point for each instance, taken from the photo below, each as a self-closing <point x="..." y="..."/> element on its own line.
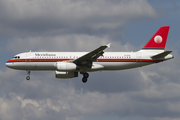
<point x="147" y="93"/>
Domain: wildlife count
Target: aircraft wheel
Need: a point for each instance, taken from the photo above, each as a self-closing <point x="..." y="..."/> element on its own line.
<point x="28" y="78"/>
<point x="86" y="75"/>
<point x="84" y="79"/>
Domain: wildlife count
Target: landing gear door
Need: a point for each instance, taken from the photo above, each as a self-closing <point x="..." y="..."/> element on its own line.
<point x="28" y="57"/>
<point x="138" y="57"/>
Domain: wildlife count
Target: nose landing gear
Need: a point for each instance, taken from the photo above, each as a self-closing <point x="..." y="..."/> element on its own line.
<point x="28" y="77"/>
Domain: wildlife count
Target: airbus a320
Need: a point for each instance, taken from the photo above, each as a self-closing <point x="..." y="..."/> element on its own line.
<point x="70" y="64"/>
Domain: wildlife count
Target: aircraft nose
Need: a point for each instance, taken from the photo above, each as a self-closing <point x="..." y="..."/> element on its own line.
<point x="9" y="65"/>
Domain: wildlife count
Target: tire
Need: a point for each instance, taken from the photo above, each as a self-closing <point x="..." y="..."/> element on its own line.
<point x="86" y="75"/>
<point x="84" y="80"/>
<point x="28" y="78"/>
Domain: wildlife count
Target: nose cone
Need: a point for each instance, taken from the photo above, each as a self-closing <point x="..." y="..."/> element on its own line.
<point x="8" y="64"/>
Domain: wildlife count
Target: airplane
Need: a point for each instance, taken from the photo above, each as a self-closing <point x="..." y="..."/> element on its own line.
<point x="69" y="64"/>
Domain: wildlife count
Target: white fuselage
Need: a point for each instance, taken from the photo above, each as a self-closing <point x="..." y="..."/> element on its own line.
<point x="109" y="60"/>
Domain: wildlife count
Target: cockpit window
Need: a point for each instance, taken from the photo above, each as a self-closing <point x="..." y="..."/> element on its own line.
<point x="16" y="57"/>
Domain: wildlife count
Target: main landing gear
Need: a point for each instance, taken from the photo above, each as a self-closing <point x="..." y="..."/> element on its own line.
<point x="28" y="77"/>
<point x="85" y="77"/>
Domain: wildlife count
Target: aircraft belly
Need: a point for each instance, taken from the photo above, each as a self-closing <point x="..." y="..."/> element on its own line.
<point x="122" y="65"/>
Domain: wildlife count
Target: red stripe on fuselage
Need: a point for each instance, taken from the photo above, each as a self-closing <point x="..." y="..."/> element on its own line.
<point x="98" y="60"/>
<point x="39" y="60"/>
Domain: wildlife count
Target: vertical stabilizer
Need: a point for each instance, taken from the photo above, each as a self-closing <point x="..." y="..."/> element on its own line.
<point x="158" y="41"/>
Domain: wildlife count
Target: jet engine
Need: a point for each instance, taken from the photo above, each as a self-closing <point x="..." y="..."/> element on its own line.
<point x="66" y="74"/>
<point x="65" y="66"/>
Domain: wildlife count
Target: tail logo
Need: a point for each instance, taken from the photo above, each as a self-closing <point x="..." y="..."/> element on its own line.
<point x="158" y="39"/>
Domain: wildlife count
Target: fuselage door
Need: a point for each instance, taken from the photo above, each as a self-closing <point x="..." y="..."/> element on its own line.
<point x="28" y="56"/>
<point x="138" y="57"/>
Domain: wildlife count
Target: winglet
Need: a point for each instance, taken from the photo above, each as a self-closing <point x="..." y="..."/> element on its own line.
<point x="108" y="45"/>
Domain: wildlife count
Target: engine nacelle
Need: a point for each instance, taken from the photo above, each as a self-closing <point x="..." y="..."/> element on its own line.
<point x="65" y="66"/>
<point x="66" y="74"/>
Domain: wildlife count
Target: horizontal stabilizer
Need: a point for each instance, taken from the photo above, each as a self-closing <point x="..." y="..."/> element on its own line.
<point x="161" y="55"/>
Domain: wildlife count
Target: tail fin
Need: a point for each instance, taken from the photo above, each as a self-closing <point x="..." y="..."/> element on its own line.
<point x="158" y="41"/>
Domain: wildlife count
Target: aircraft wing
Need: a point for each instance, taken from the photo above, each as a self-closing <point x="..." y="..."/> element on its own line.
<point x="87" y="59"/>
